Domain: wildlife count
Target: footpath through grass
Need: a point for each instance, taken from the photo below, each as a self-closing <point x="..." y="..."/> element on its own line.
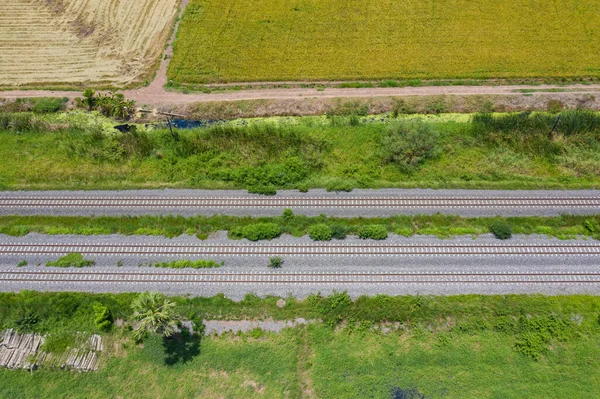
<point x="441" y="347"/>
<point x="218" y="40"/>
<point x="510" y="151"/>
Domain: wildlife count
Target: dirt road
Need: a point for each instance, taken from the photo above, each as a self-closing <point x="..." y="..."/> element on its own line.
<point x="156" y="96"/>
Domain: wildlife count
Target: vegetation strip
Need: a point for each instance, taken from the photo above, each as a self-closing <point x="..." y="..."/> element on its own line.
<point x="322" y="227"/>
<point x="83" y="151"/>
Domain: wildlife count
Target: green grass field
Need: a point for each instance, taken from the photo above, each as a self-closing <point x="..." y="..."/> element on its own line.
<point x="446" y="347"/>
<point x="339" y="365"/>
<point x="265" y="40"/>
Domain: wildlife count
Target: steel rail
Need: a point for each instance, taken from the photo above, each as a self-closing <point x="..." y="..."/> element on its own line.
<point x="315" y="249"/>
<point x="356" y="202"/>
<point x="302" y="278"/>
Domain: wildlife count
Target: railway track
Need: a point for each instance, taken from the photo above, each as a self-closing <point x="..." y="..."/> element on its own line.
<point x="298" y="202"/>
<point x="298" y="278"/>
<point x="370" y="249"/>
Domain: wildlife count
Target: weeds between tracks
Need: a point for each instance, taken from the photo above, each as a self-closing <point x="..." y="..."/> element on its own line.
<point x="262" y="228"/>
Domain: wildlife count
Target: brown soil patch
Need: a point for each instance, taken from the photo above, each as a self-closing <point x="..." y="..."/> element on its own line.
<point x="113" y="42"/>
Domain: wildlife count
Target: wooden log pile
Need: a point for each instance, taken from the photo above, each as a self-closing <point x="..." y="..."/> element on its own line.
<point x="21" y="351"/>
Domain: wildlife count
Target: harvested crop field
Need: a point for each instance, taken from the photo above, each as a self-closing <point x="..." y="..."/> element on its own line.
<point x="73" y="42"/>
<point x="263" y="40"/>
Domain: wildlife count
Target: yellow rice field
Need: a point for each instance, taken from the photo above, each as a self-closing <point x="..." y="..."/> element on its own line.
<point x="270" y="40"/>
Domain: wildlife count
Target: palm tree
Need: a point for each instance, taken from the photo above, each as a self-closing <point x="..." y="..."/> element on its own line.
<point x="156" y="314"/>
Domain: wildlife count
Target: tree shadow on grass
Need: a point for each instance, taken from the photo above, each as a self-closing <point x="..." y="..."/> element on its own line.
<point x="181" y="347"/>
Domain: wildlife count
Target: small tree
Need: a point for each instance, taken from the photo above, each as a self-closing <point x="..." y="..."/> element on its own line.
<point x="89" y="98"/>
<point x="156" y="314"/>
<point x="408" y="146"/>
<point x="288" y="215"/>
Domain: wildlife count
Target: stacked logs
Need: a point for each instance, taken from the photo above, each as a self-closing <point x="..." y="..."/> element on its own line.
<point x="21" y="351"/>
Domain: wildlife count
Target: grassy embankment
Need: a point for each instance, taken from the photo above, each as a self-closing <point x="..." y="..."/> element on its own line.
<point x="315" y="40"/>
<point x="511" y="151"/>
<point x="450" y="347"/>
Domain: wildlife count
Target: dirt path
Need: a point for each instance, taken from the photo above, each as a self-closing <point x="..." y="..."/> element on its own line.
<point x="156" y="95"/>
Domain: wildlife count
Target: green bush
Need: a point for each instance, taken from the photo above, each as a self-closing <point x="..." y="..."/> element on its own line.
<point x="334" y="308"/>
<point x="320" y="232"/>
<point x="338" y="231"/>
<point x="591" y="226"/>
<point x="288" y="215"/>
<point x="539" y="331"/>
<point x="263" y="189"/>
<point x="112" y="104"/>
<point x="502" y="230"/>
<point x="103" y="318"/>
<point x="193" y="264"/>
<point x="74" y="259"/>
<point x="408" y="146"/>
<point x="22" y="263"/>
<point x="373" y="231"/>
<point x="275" y="262"/>
<point x="339" y="185"/>
<point x="258" y="231"/>
<point x="45" y="105"/>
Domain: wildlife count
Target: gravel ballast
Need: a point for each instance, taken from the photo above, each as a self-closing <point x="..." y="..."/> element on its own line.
<point x="365" y="211"/>
<point x="335" y="264"/>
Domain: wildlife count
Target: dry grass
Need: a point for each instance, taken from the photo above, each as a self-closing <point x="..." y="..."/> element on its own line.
<point x="263" y="40"/>
<point x="115" y="42"/>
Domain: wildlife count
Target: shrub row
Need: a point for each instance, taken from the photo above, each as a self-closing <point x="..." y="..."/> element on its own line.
<point x="193" y="264"/>
<point x="74" y="259"/>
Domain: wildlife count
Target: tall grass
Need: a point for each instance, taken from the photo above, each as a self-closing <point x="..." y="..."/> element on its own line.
<point x="539" y="134"/>
<point x="568" y="122"/>
<point x="22" y="122"/>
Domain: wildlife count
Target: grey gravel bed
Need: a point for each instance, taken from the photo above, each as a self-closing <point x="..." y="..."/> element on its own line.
<point x="311" y="211"/>
<point x="321" y="264"/>
<point x="238" y="292"/>
<point x="219" y="327"/>
<point x="306" y="262"/>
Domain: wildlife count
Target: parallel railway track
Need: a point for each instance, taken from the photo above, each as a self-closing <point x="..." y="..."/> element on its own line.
<point x="298" y="278"/>
<point x="371" y="249"/>
<point x="299" y="202"/>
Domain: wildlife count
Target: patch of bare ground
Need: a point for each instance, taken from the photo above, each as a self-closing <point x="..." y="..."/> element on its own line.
<point x="111" y="42"/>
<point x="431" y="104"/>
